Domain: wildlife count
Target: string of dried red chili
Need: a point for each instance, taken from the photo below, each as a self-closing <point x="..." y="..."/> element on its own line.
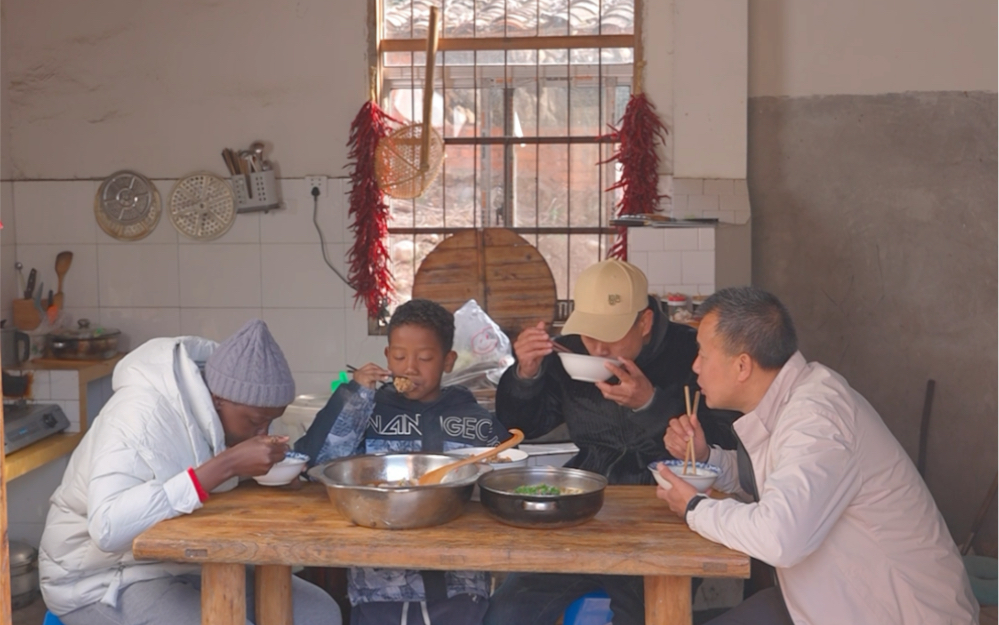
<point x="369" y="272"/>
<point x="639" y="132"/>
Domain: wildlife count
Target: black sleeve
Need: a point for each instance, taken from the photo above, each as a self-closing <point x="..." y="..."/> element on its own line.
<point x="532" y="406"/>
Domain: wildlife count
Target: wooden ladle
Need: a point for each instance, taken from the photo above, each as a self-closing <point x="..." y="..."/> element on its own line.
<point x="62" y="263"/>
<point x="435" y="476"/>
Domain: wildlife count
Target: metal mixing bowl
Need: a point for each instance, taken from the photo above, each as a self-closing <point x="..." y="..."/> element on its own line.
<point x="353" y="486"/>
<point x="542" y="511"/>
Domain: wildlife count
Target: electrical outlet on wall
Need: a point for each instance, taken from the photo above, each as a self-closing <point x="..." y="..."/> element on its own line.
<point x="316" y="182"/>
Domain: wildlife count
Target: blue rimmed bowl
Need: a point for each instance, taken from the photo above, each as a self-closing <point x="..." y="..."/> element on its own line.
<point x="701" y="476"/>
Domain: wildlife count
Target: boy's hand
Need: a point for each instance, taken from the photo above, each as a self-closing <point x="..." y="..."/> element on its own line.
<point x="371" y="374"/>
<point x="531" y="346"/>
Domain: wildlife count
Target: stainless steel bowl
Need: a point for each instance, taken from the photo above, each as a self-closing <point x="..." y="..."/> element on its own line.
<point x="356" y="487"/>
<point x="542" y="511"/>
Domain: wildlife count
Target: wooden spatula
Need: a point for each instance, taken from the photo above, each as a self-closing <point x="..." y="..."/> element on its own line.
<point x="435" y="476"/>
<point x="62" y="263"/>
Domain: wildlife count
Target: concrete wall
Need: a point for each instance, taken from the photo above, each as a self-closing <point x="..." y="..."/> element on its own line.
<point x="875" y="215"/>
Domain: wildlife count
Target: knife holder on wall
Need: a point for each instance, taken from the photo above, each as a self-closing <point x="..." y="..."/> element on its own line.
<point x="256" y="192"/>
<point x="26" y="315"/>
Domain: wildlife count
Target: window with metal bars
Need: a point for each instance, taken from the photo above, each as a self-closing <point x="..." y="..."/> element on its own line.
<point x="524" y="93"/>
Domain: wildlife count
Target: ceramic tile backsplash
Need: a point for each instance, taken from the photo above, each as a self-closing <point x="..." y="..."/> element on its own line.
<point x="312" y="339"/>
<point x="137" y="275"/>
<point x="220" y="275"/>
<point x="296" y="274"/>
<point x="294" y="223"/>
<point x="726" y="200"/>
<point x="678" y="260"/>
<point x="138" y="325"/>
<point x="216" y="324"/>
<point x="268" y="265"/>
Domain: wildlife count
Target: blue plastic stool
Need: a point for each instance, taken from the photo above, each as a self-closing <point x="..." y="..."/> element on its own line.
<point x="51" y="619"/>
<point x="593" y="608"/>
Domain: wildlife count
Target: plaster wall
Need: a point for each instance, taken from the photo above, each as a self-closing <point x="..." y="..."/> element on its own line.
<point x="875" y="221"/>
<point x="816" y="47"/>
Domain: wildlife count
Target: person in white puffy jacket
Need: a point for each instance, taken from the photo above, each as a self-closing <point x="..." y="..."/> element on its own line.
<point x="828" y="496"/>
<point x="168" y="437"/>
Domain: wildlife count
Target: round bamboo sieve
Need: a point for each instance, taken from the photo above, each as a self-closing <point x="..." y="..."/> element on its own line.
<point x="409" y="159"/>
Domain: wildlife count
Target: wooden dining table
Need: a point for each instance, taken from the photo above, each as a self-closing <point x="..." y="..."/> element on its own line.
<point x="275" y="529"/>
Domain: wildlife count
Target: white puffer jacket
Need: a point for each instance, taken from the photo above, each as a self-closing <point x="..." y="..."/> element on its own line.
<point x="130" y="472"/>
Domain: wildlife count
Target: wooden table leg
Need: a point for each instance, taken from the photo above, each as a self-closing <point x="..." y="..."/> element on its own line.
<point x="223" y="594"/>
<point x="272" y="593"/>
<point x="668" y="600"/>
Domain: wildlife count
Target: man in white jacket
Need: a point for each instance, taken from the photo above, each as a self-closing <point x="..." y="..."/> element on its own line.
<point x="827" y="495"/>
<point x="168" y="437"/>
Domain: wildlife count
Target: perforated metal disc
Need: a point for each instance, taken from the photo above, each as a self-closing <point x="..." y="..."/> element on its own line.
<point x="202" y="206"/>
<point x="127" y="206"/>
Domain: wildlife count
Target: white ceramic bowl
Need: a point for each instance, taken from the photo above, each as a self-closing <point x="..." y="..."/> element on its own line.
<point x="586" y="368"/>
<point x="510" y="457"/>
<point x="285" y="471"/>
<point x="701" y="477"/>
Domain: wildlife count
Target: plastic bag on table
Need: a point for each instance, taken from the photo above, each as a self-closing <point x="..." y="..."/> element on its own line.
<point x="483" y="349"/>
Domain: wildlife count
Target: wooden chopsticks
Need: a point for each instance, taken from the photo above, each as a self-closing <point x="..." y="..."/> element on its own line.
<point x="689" y="455"/>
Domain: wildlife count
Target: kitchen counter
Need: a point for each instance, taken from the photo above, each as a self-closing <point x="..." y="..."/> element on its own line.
<point x="87" y="404"/>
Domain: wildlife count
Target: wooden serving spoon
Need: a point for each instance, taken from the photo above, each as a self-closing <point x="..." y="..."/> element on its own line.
<point x="435" y="476"/>
<point x="62" y="263"/>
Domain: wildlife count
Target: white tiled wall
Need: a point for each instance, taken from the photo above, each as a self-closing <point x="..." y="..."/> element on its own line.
<point x="725" y="200"/>
<point x="675" y="260"/>
<point x="268" y="266"/>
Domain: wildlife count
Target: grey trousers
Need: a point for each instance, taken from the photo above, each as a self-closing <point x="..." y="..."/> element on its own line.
<point x="763" y="608"/>
<point x="177" y="601"/>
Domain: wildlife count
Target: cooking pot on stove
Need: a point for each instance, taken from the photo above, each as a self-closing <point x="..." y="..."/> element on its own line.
<point x="23" y="574"/>
<point x="84" y="342"/>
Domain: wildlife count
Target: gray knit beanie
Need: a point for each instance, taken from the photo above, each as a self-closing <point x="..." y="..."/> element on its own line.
<point x="249" y="368"/>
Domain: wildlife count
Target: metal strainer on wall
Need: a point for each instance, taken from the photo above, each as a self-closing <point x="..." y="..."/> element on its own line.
<point x="127" y="206"/>
<point x="202" y="206"/>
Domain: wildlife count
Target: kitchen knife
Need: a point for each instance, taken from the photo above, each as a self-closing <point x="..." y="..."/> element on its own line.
<point x="28" y="290"/>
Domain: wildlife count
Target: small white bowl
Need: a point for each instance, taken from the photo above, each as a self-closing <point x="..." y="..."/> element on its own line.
<point x="586" y="368"/>
<point x="510" y="457"/>
<point x="285" y="471"/>
<point x="701" y="477"/>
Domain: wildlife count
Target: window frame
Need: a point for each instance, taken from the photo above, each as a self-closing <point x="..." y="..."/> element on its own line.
<point x="380" y="45"/>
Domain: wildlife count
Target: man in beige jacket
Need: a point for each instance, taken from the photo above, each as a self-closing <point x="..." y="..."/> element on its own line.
<point x="829" y="497"/>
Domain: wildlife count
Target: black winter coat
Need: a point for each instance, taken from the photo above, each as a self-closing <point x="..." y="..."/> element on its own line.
<point x="613" y="440"/>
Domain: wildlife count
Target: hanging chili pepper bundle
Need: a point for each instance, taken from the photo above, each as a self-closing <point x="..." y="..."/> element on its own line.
<point x="369" y="272"/>
<point x="639" y="132"/>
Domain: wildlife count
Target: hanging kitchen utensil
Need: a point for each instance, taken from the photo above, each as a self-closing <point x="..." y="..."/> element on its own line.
<point x="409" y="159"/>
<point x="202" y="206"/>
<point x="62" y="262"/>
<point x="127" y="206"/>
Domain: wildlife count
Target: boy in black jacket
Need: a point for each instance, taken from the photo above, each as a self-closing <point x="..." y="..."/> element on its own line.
<point x="412" y="414"/>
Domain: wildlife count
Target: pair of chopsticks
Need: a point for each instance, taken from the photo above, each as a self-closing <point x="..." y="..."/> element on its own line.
<point x="689" y="455"/>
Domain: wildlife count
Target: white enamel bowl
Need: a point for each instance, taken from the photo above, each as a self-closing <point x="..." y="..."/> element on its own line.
<point x="508" y="458"/>
<point x="285" y="471"/>
<point x="701" y="476"/>
<point x="586" y="368"/>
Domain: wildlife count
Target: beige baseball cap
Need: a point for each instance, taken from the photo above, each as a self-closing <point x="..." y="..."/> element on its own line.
<point x="608" y="297"/>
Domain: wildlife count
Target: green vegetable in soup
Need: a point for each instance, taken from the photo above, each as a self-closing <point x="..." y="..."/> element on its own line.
<point x="545" y="489"/>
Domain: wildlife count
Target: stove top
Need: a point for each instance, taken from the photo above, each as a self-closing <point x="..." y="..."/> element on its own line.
<point x="26" y="423"/>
